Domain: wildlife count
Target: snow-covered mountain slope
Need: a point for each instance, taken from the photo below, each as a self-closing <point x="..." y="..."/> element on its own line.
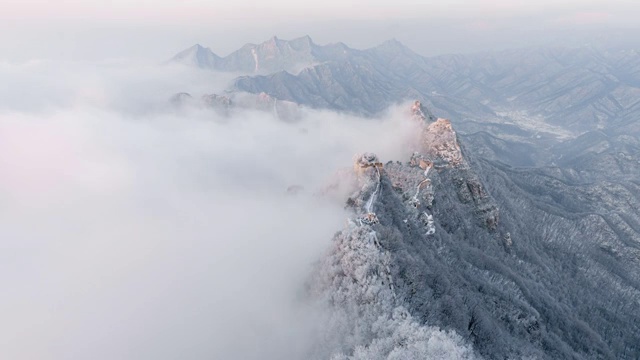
<point x="433" y="260"/>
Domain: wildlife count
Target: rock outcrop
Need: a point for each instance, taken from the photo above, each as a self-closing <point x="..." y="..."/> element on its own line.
<point x="395" y="205"/>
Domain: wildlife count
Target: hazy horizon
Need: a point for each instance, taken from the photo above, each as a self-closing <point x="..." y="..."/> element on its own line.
<point x="91" y="31"/>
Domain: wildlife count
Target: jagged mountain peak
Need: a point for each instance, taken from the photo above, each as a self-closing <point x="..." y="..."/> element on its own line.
<point x="272" y="41"/>
<point x="197" y="47"/>
<point x="420" y="112"/>
<point x="299" y="42"/>
<point x="302" y="42"/>
<point x="198" y="56"/>
<point x="273" y="55"/>
<point x="270" y="56"/>
<point x="394" y="45"/>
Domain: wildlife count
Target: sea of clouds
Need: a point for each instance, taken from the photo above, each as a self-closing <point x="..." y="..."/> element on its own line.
<point x="132" y="230"/>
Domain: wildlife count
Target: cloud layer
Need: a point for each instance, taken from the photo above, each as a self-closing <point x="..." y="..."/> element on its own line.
<point x="132" y="231"/>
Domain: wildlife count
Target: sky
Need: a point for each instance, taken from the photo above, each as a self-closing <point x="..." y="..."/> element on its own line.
<point x="155" y="30"/>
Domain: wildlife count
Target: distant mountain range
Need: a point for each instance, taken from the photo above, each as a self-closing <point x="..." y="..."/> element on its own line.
<point x="527" y="98"/>
<point x="269" y="57"/>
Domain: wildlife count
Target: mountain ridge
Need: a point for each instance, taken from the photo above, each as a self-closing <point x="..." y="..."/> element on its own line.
<point x="462" y="255"/>
<point x="541" y="81"/>
<point x="267" y="57"/>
